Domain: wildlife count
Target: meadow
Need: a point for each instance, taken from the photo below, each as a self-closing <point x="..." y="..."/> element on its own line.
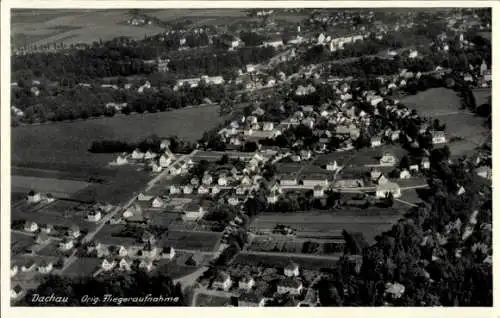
<point x="280" y="262"/>
<point x="73" y="26"/>
<point x="57" y="187"/>
<point x="444" y="104"/>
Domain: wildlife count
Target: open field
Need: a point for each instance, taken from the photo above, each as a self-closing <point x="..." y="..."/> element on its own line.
<point x="57" y="187"/>
<point x="51" y="26"/>
<point x="332" y="223"/>
<point x="107" y="236"/>
<point x="184" y="240"/>
<point x="361" y="157"/>
<point x="68" y="143"/>
<point x="83" y="267"/>
<point x="197" y="16"/>
<point x="444" y="104"/>
<point x="280" y="262"/>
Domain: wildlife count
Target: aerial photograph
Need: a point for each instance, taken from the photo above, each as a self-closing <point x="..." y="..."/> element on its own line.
<point x="286" y="157"/>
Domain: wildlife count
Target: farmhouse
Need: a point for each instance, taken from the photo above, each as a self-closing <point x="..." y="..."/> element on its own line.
<point x="246" y="283"/>
<point x="34" y="197"/>
<point x="222" y="281"/>
<point x="290" y="286"/>
<point x="389" y="187"/>
<point x="45" y="267"/>
<point x="438" y="137"/>
<point x="108" y="264"/>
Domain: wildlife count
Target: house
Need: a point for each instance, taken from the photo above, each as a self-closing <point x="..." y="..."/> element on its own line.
<point x="137" y="154"/>
<point x="291" y="270"/>
<point x="42" y="238"/>
<point x="388" y="159"/>
<point x="251" y="299"/>
<point x="215" y="189"/>
<point x="290" y="286"/>
<point x="305" y="154"/>
<point x="288" y="180"/>
<point x="31" y="227"/>
<point x="203" y="190"/>
<point x="268" y="126"/>
<point x="426" y="164"/>
<point x="28" y="266"/>
<point x="413" y="168"/>
<point x="45" y="267"/>
<point x="381" y="179"/>
<point x="404" y="174"/>
<point x="155" y="167"/>
<point x="125" y="264"/>
<point x="121" y="160"/>
<point x="165" y="161"/>
<point x="143" y="197"/>
<point x="389" y="187"/>
<point x="168" y="252"/>
<point x="315" y="179"/>
<point x="194" y="211"/>
<point x="16" y="291"/>
<point x="34" y="197"/>
<point x="438" y="137"/>
<point x="66" y="244"/>
<point x="332" y="166"/>
<point x="108" y="264"/>
<point x="94" y="216"/>
<point x="484" y="172"/>
<point x="272" y="197"/>
<point x="222" y="180"/>
<point x="222" y="281"/>
<point x="49" y="198"/>
<point x="207" y="179"/>
<point x="47" y="228"/>
<point x="187" y="189"/>
<point x="318" y="191"/>
<point x="173" y="189"/>
<point x="246" y="181"/>
<point x="174" y="170"/>
<point x="246" y="283"/>
<point x="93" y="246"/>
<point x="157" y="202"/>
<point x="394" y="290"/>
<point x="134" y="214"/>
<point x="122" y="251"/>
<point x="376" y="141"/>
<point x="149" y="155"/>
<point x="165" y="144"/>
<point x="14" y="269"/>
<point x="146" y="265"/>
<point x="74" y="232"/>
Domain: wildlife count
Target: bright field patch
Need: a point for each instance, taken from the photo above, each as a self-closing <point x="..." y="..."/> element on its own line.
<point x="200" y="241"/>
